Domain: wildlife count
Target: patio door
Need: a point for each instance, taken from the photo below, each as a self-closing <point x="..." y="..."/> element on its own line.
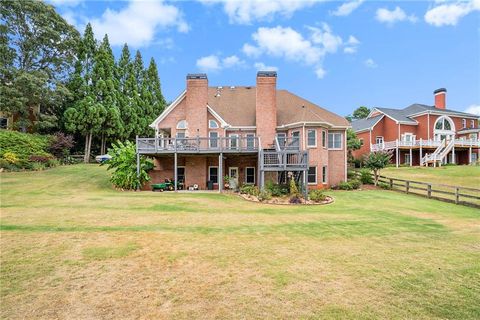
<point x="233" y="174"/>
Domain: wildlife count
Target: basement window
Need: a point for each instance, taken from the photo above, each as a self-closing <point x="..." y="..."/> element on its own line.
<point x="312" y="175"/>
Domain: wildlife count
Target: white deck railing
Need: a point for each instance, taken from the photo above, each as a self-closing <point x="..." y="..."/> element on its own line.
<point x="200" y="144"/>
<point x="422" y="143"/>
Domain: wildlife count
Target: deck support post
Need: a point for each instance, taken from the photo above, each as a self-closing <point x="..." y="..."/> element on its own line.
<point x="420" y="161"/>
<point x="453" y="154"/>
<point x="305" y="185"/>
<point x="470" y="155"/>
<point x="411" y="157"/>
<point x="397" y="156"/>
<point x="220" y="172"/>
<point x="175" y="171"/>
<point x="262" y="180"/>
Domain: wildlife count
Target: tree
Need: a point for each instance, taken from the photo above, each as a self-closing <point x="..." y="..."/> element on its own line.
<point x="105" y="91"/>
<point x="85" y="115"/>
<point x="353" y="143"/>
<point x="360" y="113"/>
<point x="37" y="48"/>
<point x="376" y="161"/>
<point x="156" y="101"/>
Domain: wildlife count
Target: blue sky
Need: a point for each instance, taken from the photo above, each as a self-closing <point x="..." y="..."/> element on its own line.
<point x="338" y="54"/>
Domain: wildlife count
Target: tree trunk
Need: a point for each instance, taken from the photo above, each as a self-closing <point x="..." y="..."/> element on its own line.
<point x="375" y="172"/>
<point x="85" y="156"/>
<point x="102" y="144"/>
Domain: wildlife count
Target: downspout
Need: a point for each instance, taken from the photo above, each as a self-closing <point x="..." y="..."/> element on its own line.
<point x="428" y="122"/>
<point x="304" y="142"/>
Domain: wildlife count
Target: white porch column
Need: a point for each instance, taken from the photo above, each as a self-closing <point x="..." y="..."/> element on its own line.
<point x="175" y="169"/>
<point x="411" y="157"/>
<point x="453" y="154"/>
<point x="470" y="155"/>
<point x="397" y="156"/>
<point x="420" y="161"/>
<point x="220" y="172"/>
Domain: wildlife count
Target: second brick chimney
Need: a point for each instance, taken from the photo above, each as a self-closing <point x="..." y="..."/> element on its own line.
<point x="440" y="98"/>
<point x="196" y="108"/>
<point x="266" y="107"/>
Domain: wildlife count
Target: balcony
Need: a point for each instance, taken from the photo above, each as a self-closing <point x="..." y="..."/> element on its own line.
<point x="414" y="144"/>
<point x="198" y="145"/>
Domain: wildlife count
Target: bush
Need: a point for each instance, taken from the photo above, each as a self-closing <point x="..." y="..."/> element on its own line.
<point x="71" y="160"/>
<point x="317" y="195"/>
<point x="249" y="189"/>
<point x="264" y="195"/>
<point x="277" y="190"/>
<point x="37" y="166"/>
<point x="384" y="185"/>
<point x="351" y="174"/>
<point x="293" y="188"/>
<point x="60" y="144"/>
<point x="124" y="166"/>
<point x="295" y="200"/>
<point x="351" y="185"/>
<point x="366" y="176"/>
<point x="10" y="157"/>
<point x="40" y="158"/>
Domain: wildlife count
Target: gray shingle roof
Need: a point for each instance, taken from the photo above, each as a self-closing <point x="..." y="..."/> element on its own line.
<point x="363" y="124"/>
<point x="405" y="115"/>
<point x="397" y="114"/>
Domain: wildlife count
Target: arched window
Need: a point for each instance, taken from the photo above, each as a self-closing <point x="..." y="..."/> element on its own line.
<point x="444" y="123"/>
<point x="212" y="124"/>
<point x="182" y="124"/>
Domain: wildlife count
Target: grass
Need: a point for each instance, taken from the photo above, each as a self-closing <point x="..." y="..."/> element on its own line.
<point x="72" y="247"/>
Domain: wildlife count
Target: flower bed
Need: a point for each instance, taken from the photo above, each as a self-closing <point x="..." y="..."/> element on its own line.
<point x="285" y="200"/>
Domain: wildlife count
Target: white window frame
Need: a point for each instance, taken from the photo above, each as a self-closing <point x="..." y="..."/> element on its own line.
<point x="210" y="139"/>
<point x="254" y="175"/>
<point x="472" y="124"/>
<point x="324" y="174"/>
<point x="252" y="136"/>
<point x="281" y="136"/>
<point x="215" y="126"/>
<point x="464" y="123"/>
<point x="376" y="140"/>
<point x="333" y="146"/>
<point x="180" y="125"/>
<point x="316" y="175"/>
<point x="362" y="142"/>
<point x="209" y="176"/>
<point x="324" y="139"/>
<point x="181" y="132"/>
<point x="308" y="138"/>
<point x="230" y="136"/>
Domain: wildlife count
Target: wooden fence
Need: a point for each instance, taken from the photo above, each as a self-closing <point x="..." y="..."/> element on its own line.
<point x="454" y="194"/>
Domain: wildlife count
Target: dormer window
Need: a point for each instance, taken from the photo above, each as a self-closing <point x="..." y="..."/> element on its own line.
<point x="212" y="124"/>
<point x="182" y="124"/>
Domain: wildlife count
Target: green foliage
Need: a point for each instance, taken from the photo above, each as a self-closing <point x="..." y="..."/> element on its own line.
<point x="10" y="157"/>
<point x="384" y="185"/>
<point x="353" y="143"/>
<point x="360" y="113"/>
<point x="293" y="188"/>
<point x="37" y="51"/>
<point x="317" y="195"/>
<point x="23" y="145"/>
<point x="277" y="190"/>
<point x="376" y="161"/>
<point x="366" y="176"/>
<point x="264" y="195"/>
<point x="249" y="189"/>
<point x="61" y="144"/>
<point x="349" y="185"/>
<point x="124" y="166"/>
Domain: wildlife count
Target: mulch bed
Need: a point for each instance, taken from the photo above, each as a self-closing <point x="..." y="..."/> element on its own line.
<point x="285" y="200"/>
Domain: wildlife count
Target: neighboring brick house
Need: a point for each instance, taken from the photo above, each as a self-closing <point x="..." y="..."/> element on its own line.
<point x="421" y="134"/>
<point x="251" y="134"/>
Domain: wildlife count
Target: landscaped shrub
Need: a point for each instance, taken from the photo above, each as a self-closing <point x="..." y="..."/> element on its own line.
<point x="293" y="188"/>
<point x="264" y="195"/>
<point x="384" y="185"/>
<point x="40" y="158"/>
<point x="60" y="144"/>
<point x="124" y="166"/>
<point x="350" y="185"/>
<point x="366" y="176"/>
<point x="355" y="184"/>
<point x="351" y="174"/>
<point x="277" y="190"/>
<point x="317" y="195"/>
<point x="37" y="166"/>
<point x="10" y="157"/>
<point x="249" y="189"/>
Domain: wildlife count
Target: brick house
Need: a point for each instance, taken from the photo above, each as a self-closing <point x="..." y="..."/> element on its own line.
<point x="250" y="134"/>
<point x="421" y="134"/>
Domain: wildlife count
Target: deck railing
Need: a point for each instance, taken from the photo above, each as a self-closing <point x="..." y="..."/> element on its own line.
<point x="429" y="143"/>
<point x="199" y="144"/>
<point x="284" y="160"/>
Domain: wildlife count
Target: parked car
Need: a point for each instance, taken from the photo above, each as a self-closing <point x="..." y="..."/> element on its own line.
<point x="102" y="158"/>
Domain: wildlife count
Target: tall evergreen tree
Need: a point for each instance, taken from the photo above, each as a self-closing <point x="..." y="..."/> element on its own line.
<point x="85" y="115"/>
<point x="128" y="94"/>
<point x="105" y="87"/>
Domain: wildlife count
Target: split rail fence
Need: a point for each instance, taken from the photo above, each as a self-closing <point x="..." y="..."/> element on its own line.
<point x="454" y="194"/>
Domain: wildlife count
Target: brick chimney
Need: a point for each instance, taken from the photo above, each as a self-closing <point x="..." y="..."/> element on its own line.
<point x="440" y="98"/>
<point x="266" y="106"/>
<point x="196" y="105"/>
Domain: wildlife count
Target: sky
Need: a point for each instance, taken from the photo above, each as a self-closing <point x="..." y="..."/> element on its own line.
<point x="337" y="54"/>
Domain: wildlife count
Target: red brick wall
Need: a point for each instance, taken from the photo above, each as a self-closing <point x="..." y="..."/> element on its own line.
<point x="266" y="109"/>
<point x="196" y="107"/>
<point x="171" y="120"/>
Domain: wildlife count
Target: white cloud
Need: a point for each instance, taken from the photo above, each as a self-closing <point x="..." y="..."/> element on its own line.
<point x="214" y="63"/>
<point x="248" y="11"/>
<point x="392" y="16"/>
<point x="325" y="38"/>
<point x="448" y="14"/>
<point x="369" y="63"/>
<point x="291" y="45"/>
<point x="473" y="109"/>
<point x="347" y="8"/>
<point x="138" y="22"/>
<point x="260" y="66"/>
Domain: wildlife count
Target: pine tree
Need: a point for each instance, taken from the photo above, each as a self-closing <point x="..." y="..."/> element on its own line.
<point x="105" y="87"/>
<point x="127" y="93"/>
<point x="85" y="115"/>
<point x="157" y="101"/>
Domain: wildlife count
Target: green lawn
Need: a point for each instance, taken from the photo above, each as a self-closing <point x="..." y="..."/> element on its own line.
<point x="465" y="176"/>
<point x="72" y="247"/>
